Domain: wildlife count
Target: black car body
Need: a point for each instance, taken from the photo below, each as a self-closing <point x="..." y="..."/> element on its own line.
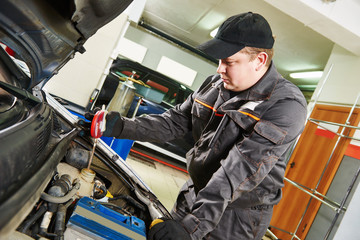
<point x="38" y="135"/>
<point x="174" y="93"/>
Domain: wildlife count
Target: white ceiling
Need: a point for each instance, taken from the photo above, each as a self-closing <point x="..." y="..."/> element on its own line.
<point x="297" y="47"/>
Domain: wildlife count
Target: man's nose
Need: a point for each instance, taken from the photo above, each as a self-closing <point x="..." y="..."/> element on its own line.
<point x="221" y="68"/>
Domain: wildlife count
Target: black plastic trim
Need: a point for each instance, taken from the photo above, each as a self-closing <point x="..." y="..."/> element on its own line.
<point x="29" y="193"/>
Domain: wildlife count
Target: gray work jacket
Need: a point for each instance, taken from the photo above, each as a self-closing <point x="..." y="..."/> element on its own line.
<point x="241" y="142"/>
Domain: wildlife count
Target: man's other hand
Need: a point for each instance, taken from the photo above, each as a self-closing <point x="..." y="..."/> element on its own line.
<point x="167" y="229"/>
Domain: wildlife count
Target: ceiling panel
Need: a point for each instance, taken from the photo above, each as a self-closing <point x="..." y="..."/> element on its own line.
<point x="183" y="15"/>
<point x="297" y="47"/>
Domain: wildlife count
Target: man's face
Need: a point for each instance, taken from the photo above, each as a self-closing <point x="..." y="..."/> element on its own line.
<point x="238" y="72"/>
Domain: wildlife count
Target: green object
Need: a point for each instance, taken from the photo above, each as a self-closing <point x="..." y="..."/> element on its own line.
<point x="121" y="74"/>
<point x="149" y="93"/>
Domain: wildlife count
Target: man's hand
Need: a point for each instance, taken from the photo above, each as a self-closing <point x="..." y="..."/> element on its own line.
<point x="86" y="123"/>
<point x="167" y="229"/>
<point x="114" y="124"/>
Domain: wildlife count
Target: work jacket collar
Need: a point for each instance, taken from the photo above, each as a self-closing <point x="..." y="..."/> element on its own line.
<point x="262" y="90"/>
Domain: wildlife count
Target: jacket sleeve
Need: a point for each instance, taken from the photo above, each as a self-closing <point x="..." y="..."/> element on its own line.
<point x="248" y="162"/>
<point x="167" y="126"/>
<point x="172" y="124"/>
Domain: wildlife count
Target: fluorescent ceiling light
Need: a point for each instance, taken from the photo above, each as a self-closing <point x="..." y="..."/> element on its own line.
<point x="313" y="74"/>
<point x="213" y="32"/>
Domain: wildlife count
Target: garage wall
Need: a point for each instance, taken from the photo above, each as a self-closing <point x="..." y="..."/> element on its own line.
<point x="157" y="48"/>
<point x="348" y="226"/>
<point x="343" y="83"/>
<point x="81" y="75"/>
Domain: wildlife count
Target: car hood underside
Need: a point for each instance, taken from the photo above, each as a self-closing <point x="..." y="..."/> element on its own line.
<point x="46" y="33"/>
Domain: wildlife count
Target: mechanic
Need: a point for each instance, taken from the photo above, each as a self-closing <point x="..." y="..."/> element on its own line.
<point x="244" y="120"/>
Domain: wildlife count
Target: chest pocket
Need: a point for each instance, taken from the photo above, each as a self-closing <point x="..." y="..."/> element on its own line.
<point x="201" y="110"/>
<point x="245" y="119"/>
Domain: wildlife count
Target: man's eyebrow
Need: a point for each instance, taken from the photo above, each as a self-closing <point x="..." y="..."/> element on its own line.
<point x="228" y="59"/>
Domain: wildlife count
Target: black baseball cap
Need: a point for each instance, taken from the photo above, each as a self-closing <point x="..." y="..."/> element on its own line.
<point x="239" y="31"/>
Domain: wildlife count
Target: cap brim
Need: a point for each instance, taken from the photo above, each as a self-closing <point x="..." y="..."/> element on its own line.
<point x="219" y="49"/>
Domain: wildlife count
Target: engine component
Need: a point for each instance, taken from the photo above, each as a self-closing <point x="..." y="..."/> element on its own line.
<point x="77" y="157"/>
<point x="55" y="195"/>
<point x="92" y="220"/>
<point x="87" y="182"/>
<point x="59" y="228"/>
<point x="130" y="200"/>
<point x="100" y="190"/>
<point x="39" y="213"/>
<point x="45" y="224"/>
<point x="59" y="191"/>
<point x="61" y="186"/>
<point x="86" y="177"/>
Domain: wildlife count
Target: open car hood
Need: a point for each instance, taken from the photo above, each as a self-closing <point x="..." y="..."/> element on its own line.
<point x="45" y="154"/>
<point x="45" y="34"/>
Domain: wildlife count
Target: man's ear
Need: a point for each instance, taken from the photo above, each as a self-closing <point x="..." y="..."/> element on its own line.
<point x="261" y="58"/>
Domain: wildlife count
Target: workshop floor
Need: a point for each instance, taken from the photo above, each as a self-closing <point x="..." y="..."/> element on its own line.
<point x="164" y="181"/>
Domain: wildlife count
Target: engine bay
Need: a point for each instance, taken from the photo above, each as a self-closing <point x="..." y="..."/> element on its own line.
<point x="55" y="184"/>
<point x="78" y="204"/>
<point x="81" y="201"/>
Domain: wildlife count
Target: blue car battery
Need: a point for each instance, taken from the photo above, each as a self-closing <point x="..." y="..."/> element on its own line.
<point x="92" y="220"/>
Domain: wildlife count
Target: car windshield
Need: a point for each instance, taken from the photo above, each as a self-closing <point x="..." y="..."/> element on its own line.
<point x="170" y="87"/>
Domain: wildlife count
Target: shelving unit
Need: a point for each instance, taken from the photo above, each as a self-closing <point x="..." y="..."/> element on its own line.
<point x="314" y="194"/>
